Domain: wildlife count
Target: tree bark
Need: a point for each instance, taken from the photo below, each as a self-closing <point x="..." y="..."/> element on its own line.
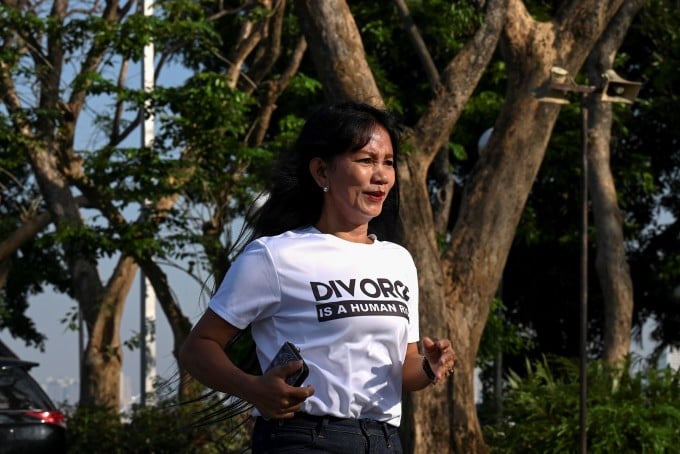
<point x="337" y="51"/>
<point x="611" y="260"/>
<point x="496" y="192"/>
<point x="273" y="90"/>
<point x="249" y="37"/>
<point x="103" y="356"/>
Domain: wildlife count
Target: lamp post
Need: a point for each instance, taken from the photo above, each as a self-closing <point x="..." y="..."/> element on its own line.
<point x="615" y="89"/>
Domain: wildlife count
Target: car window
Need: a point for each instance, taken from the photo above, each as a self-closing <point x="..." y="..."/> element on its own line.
<point x="18" y="391"/>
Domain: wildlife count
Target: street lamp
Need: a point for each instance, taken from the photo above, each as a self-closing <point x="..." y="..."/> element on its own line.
<point x="615" y="89"/>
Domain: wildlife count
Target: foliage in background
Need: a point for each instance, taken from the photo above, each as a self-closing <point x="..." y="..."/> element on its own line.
<point x="652" y="156"/>
<point x="501" y="337"/>
<point x="209" y="122"/>
<point x="164" y="428"/>
<point x="541" y="278"/>
<point x="637" y="411"/>
<point x="500" y="334"/>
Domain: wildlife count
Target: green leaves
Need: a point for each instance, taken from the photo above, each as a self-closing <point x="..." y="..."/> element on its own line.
<point x="630" y="411"/>
<point x="501" y="334"/>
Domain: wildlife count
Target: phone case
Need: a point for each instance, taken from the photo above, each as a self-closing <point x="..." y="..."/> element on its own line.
<point x="287" y="353"/>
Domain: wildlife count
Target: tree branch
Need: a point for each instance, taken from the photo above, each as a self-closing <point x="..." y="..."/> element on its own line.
<point x="28" y="230"/>
<point x="459" y="79"/>
<point x="274" y="90"/>
<point x="419" y="45"/>
<point x="335" y="45"/>
<point x="267" y="55"/>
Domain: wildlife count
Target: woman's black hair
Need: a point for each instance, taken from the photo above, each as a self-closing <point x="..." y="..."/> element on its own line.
<point x="295" y="199"/>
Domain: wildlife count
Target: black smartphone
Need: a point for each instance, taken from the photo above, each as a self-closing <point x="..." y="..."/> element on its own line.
<point x="287" y="353"/>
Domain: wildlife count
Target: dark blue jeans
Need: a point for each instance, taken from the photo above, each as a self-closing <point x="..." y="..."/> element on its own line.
<point x="324" y="434"/>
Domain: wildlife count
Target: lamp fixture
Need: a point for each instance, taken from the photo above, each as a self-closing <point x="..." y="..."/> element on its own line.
<point x="615" y="88"/>
<point x="555" y="91"/>
<point x="618" y="89"/>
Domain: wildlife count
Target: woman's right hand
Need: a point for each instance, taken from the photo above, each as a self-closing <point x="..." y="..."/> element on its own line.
<point x="276" y="398"/>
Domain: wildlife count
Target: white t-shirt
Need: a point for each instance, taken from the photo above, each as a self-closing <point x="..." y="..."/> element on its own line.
<point x="351" y="308"/>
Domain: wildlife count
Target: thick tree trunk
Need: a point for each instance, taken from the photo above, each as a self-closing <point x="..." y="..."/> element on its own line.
<point x="427" y="426"/>
<point x="103" y="356"/>
<point x="443" y="312"/>
<point x="497" y="190"/>
<point x="98" y="382"/>
<point x="611" y="261"/>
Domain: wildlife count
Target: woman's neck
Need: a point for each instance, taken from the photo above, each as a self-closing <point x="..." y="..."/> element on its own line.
<point x="358" y="234"/>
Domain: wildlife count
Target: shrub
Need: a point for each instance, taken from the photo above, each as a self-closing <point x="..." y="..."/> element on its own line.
<point x="628" y="411"/>
<point x="163" y="428"/>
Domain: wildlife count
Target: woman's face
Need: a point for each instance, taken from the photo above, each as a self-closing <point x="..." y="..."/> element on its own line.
<point x="358" y="182"/>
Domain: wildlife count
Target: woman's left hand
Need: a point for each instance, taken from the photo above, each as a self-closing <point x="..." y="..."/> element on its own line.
<point x="439" y="354"/>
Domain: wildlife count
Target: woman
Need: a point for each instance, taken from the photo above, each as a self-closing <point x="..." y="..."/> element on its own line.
<point x="315" y="274"/>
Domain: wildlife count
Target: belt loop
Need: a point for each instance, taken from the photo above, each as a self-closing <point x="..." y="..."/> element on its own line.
<point x="321" y="427"/>
<point x="387" y="434"/>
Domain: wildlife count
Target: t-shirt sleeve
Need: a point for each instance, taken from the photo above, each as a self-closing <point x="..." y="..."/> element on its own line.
<point x="250" y="290"/>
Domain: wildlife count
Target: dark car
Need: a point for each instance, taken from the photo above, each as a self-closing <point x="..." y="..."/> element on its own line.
<point x="29" y="420"/>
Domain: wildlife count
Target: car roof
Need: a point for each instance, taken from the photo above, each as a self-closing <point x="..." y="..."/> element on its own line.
<point x="8" y="363"/>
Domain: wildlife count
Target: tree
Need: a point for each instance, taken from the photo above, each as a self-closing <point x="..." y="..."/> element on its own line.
<point x="459" y="283"/>
<point x="136" y="204"/>
<point x="649" y="185"/>
<point x="44" y="133"/>
<point x="38" y="47"/>
<point x="612" y="263"/>
<point x="538" y="289"/>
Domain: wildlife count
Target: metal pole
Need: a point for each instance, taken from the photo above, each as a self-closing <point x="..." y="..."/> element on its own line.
<point x="81" y="350"/>
<point x="148" y="348"/>
<point x="583" y="300"/>
<point x="142" y="333"/>
<point x="148" y="296"/>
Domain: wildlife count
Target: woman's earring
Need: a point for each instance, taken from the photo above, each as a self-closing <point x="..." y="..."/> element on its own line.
<point x="325" y="189"/>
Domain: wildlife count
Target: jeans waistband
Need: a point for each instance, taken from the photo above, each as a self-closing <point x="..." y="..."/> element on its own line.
<point x="336" y="419"/>
<point x="323" y="426"/>
<point x="324" y="420"/>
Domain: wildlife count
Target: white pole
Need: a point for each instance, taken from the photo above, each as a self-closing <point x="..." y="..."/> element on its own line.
<point x="148" y="349"/>
<point x="148" y="296"/>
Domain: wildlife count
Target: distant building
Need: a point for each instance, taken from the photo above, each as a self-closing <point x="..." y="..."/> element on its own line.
<point x="477" y="385"/>
<point x="671" y="358"/>
<point x="126" y="397"/>
<point x="62" y="389"/>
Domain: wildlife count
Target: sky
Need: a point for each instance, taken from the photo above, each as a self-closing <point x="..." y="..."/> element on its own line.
<point x="60" y="358"/>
